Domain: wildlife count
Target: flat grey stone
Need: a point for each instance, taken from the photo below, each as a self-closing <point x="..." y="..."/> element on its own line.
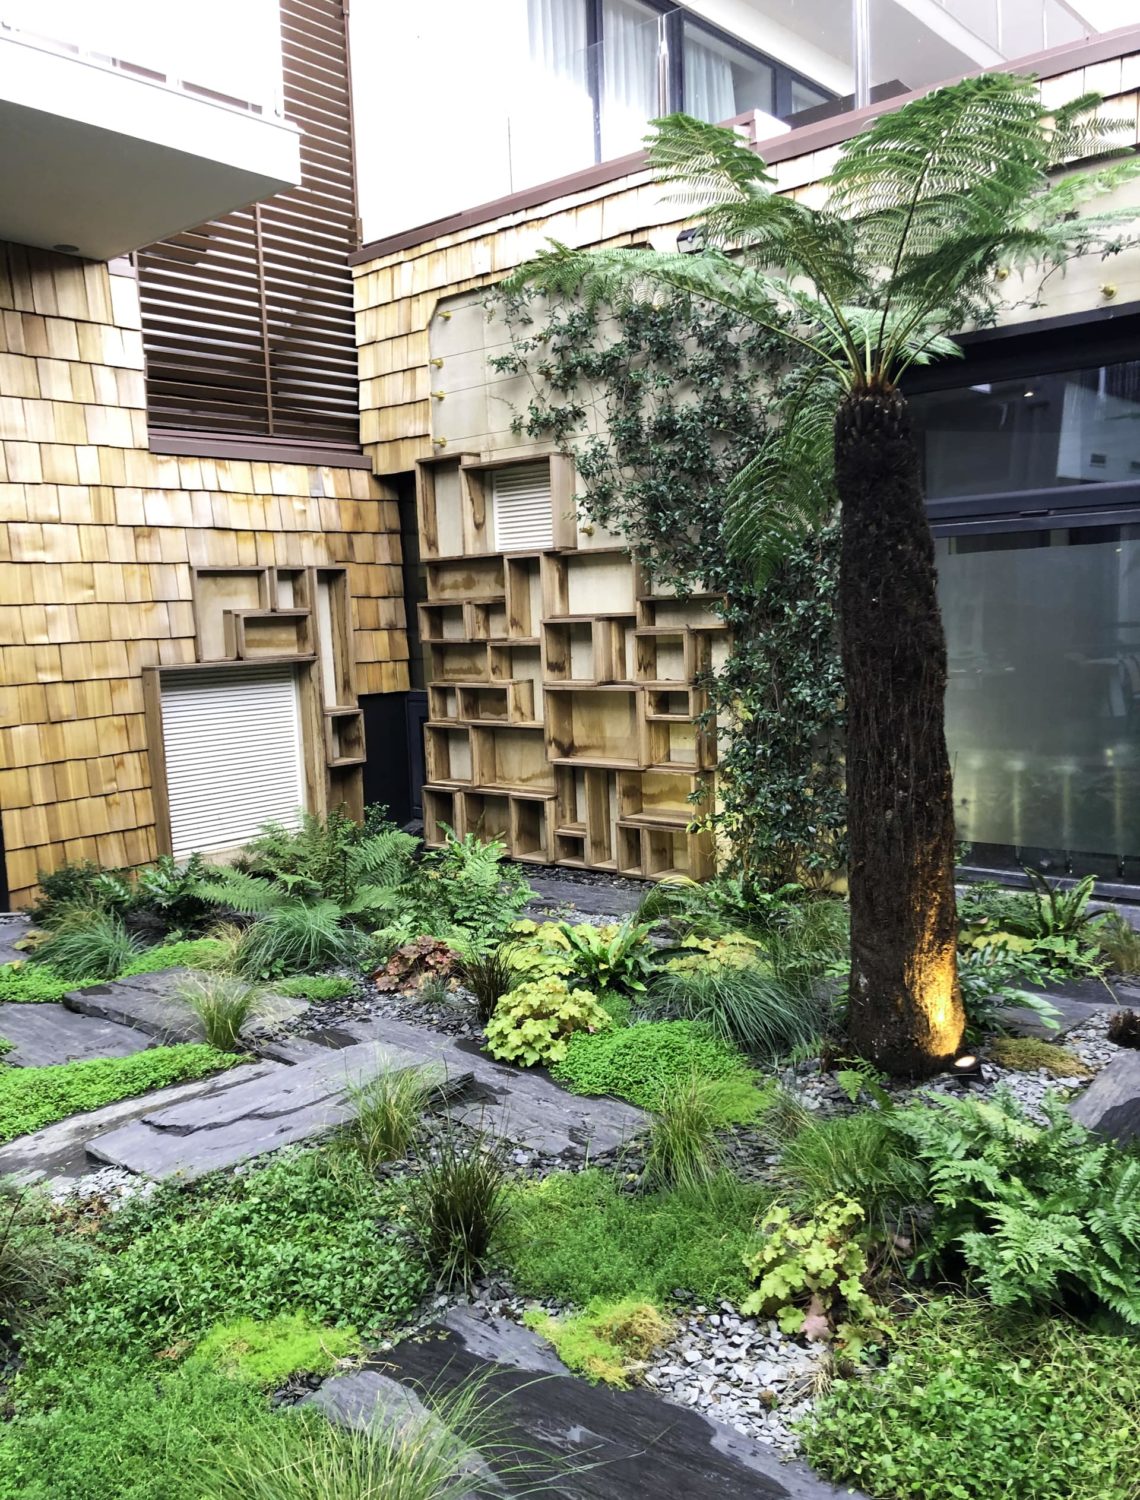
<point x="282" y="1106"/>
<point x="48" y="1034"/>
<point x="150" y="1003"/>
<point x="518" y="1104"/>
<point x="601" y="1443"/>
<point x="1111" y="1103"/>
<point x="13" y="928"/>
<point x="60" y="1150"/>
<point x="602" y="899"/>
<point x="1075" y="1005"/>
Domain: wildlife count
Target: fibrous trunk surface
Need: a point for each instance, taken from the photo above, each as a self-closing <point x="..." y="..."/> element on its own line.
<point x="905" y="1005"/>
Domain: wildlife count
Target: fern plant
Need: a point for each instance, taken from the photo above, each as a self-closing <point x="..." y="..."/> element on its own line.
<point x="922" y="210"/>
<point x="1037" y="1214"/>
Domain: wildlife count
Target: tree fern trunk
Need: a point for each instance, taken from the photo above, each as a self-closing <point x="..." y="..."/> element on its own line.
<point x="905" y="1006"/>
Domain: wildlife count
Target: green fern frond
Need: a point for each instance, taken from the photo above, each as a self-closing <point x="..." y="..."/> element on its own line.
<point x="251" y="895"/>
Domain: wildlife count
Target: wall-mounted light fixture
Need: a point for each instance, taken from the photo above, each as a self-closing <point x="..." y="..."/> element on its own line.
<point x="689" y="241"/>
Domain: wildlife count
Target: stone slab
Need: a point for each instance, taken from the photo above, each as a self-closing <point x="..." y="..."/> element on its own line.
<point x="600" y="900"/>
<point x="49" y="1034"/>
<point x="521" y="1105"/>
<point x="60" y="1150"/>
<point x="150" y="1003"/>
<point x="282" y="1106"/>
<point x="13" y="927"/>
<point x="1111" y="1103"/>
<point x="600" y="1444"/>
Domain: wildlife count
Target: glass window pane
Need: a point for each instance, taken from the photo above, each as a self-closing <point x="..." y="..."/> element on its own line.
<point x="1043" y="698"/>
<point x="722" y="81"/>
<point x="629" y="75"/>
<point x="551" y="126"/>
<point x="1076" y="427"/>
<point x="805" y="97"/>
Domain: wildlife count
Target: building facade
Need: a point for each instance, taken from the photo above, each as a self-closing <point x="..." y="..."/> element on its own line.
<point x="267" y="538"/>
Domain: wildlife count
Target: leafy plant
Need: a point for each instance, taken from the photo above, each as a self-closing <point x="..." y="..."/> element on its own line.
<point x="386" y="1110"/>
<point x="414" y="962"/>
<point x="88" y="944"/>
<point x="34" y="1262"/>
<point x="1119" y="942"/>
<point x="295" y="937"/>
<point x="460" y="1201"/>
<point x="83" y="885"/>
<point x="747" y="1005"/>
<point x="978" y="1405"/>
<point x="578" y="1236"/>
<point x="267" y="1354"/>
<point x="683" y="1149"/>
<point x="335" y="857"/>
<point x="224" y="1004"/>
<point x="466" y="890"/>
<point x="991" y="978"/>
<point x="610" y="958"/>
<point x="812" y="1274"/>
<point x="1028" y="1054"/>
<point x="489" y="975"/>
<point x="171" y="890"/>
<point x="1059" y="912"/>
<point x="533" y="1023"/>
<point x="608" y="1342"/>
<point x="648" y="1062"/>
<point x="31" y="1098"/>
<point x="1036" y="1214"/>
<point x="732" y="950"/>
<point x="316" y="987"/>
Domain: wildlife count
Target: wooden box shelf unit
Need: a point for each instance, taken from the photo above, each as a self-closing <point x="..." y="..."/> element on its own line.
<point x="562" y="691"/>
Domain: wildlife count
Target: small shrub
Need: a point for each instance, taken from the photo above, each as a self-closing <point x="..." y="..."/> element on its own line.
<point x="28" y="983"/>
<point x="84" y="885"/>
<point x="386" y="1110"/>
<point x="172" y="891"/>
<point x="89" y="944"/>
<point x="489" y="976"/>
<point x="1029" y="1054"/>
<point x="647" y="1062"/>
<point x="694" y="955"/>
<point x="268" y="1354"/>
<point x="460" y="1200"/>
<point x="609" y="1342"/>
<point x="988" y="1406"/>
<point x="294" y="938"/>
<point x="612" y="958"/>
<point x="35" y="1262"/>
<point x="575" y="1237"/>
<point x="811" y="1274"/>
<point x="683" y="1149"/>
<point x="412" y="963"/>
<point x="31" y="1098"/>
<point x="464" y="891"/>
<point x="223" y="1003"/>
<point x="189" y="953"/>
<point x="746" y="1005"/>
<point x="534" y="1022"/>
<point x="316" y="987"/>
<point x="1119" y="942"/>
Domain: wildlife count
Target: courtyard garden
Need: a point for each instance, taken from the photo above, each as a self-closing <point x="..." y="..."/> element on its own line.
<point x="920" y="1289"/>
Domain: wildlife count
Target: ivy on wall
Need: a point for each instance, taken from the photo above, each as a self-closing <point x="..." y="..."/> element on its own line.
<point x="661" y="403"/>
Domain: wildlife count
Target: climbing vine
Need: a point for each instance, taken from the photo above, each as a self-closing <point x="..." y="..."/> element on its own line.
<point x="661" y="403"/>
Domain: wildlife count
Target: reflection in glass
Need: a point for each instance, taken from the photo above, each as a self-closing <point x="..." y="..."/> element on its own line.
<point x="1043" y="698"/>
<point x="1074" y="427"/>
<point x="722" y="81"/>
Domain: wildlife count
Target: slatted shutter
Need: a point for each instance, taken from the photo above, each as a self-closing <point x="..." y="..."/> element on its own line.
<point x="248" y="321"/>
<point x="520" y="498"/>
<point x="233" y="750"/>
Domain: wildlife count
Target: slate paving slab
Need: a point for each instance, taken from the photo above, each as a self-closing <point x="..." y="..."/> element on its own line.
<point x="1111" y="1103"/>
<point x="1075" y="1004"/>
<point x="281" y="1107"/>
<point x="591" y="899"/>
<point x="600" y="1443"/>
<point x="150" y="1003"/>
<point x="13" y="927"/>
<point x="48" y="1034"/>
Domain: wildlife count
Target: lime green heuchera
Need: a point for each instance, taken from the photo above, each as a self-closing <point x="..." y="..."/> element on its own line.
<point x="535" y="1021"/>
<point x="735" y="950"/>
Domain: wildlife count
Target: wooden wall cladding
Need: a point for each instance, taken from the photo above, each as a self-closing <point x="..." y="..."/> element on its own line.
<point x="100" y="543"/>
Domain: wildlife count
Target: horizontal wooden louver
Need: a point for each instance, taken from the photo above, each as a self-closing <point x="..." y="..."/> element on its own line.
<point x="233" y="752"/>
<point x="521" y="506"/>
<point x="248" y="321"/>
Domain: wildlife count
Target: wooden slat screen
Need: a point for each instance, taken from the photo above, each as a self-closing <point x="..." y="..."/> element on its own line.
<point x="248" y="320"/>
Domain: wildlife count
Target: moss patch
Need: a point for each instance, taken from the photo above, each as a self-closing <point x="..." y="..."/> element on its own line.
<point x="609" y="1342"/>
<point x="267" y="1354"/>
<point x="1028" y="1054"/>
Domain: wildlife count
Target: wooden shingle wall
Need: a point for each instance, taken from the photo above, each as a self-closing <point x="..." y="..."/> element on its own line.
<point x="98" y="538"/>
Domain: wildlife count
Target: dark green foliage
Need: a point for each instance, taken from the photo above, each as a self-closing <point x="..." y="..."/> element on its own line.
<point x="88" y="943"/>
<point x="33" y="1097"/>
<point x="576" y="1236"/>
<point x="1036" y="1215"/>
<point x="1119" y="943"/>
<point x="171" y="890"/>
<point x="34" y="1261"/>
<point x="979" y="1407"/>
<point x="749" y="1006"/>
<point x="724" y="905"/>
<point x="460" y="1200"/>
<point x="333" y="856"/>
<point x="685" y="392"/>
<point x="489" y="975"/>
<point x="643" y="1063"/>
<point x="307" y="1231"/>
<point x="614" y="959"/>
<point x="992" y="978"/>
<point x="294" y="938"/>
<point x="84" y="885"/>
<point x="466" y="890"/>
<point x="35" y="984"/>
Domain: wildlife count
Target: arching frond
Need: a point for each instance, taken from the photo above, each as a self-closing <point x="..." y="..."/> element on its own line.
<point x="712" y="164"/>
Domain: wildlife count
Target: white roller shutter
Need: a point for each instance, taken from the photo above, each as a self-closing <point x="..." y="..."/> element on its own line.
<point x="234" y="760"/>
<point x="520" y="495"/>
